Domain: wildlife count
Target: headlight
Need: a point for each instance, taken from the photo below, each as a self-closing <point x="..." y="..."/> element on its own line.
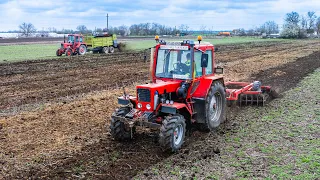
<point x="139" y="105"/>
<point x="148" y="106"/>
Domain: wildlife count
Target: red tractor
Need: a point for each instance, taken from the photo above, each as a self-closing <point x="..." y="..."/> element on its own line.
<point x="75" y="45"/>
<point x="185" y="91"/>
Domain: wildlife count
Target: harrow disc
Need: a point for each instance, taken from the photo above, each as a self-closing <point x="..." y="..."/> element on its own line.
<point x="253" y="99"/>
<point x="257" y="99"/>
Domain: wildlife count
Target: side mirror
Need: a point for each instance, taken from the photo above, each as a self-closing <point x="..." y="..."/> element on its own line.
<point x="204" y="60"/>
<point x="218" y="70"/>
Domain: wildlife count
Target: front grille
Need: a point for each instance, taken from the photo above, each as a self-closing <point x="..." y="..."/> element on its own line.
<point x="144" y="95"/>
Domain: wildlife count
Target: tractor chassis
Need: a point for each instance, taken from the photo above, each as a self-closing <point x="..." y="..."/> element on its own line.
<point x="137" y="122"/>
<point x="138" y="118"/>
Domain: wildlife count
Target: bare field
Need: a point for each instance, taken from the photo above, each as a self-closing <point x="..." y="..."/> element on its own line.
<point x="62" y="134"/>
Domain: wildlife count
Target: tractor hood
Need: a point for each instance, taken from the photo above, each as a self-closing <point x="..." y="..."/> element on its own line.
<point x="161" y="86"/>
<point x="65" y="45"/>
<point x="148" y="95"/>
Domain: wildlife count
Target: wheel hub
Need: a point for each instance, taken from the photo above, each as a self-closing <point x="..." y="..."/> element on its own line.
<point x="214" y="110"/>
<point x="177" y="134"/>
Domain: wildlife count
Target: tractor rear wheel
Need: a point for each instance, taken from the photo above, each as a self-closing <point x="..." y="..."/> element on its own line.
<point x="105" y="50"/>
<point x="118" y="130"/>
<point x="111" y="49"/>
<point x="215" y="106"/>
<point x="69" y="52"/>
<point x="82" y="50"/>
<point x="172" y="132"/>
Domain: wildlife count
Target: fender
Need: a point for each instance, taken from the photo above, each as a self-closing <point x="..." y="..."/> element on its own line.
<point x="204" y="84"/>
<point x="200" y="95"/>
<point x="173" y="108"/>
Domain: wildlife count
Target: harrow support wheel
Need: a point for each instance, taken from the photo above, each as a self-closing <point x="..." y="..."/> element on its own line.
<point x="215" y="110"/>
<point x="118" y="130"/>
<point x="172" y="133"/>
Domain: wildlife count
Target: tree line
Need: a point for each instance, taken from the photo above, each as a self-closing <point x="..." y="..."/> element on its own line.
<point x="295" y="26"/>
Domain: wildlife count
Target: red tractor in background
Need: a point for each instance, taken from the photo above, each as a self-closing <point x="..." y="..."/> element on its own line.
<point x="75" y="45"/>
<point x="186" y="90"/>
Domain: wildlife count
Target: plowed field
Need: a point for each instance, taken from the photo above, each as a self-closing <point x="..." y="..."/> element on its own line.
<point x="54" y="112"/>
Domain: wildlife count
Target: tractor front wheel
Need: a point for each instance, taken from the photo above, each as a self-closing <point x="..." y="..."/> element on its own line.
<point x="215" y="106"/>
<point x="118" y="130"/>
<point x="58" y="53"/>
<point x="69" y="52"/>
<point x="172" y="133"/>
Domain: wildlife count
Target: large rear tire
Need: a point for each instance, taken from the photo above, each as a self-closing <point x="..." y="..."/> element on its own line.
<point x="172" y="133"/>
<point x="118" y="130"/>
<point x="215" y="106"/>
<point x="82" y="50"/>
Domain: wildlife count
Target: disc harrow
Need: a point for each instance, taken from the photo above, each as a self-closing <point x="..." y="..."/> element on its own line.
<point x="245" y="93"/>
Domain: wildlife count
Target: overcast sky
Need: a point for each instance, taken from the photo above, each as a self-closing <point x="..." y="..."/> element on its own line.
<point x="214" y="14"/>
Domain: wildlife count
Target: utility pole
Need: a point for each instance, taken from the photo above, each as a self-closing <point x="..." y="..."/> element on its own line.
<point x="107" y="22"/>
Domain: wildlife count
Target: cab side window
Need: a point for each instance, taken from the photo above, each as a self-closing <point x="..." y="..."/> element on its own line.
<point x="209" y="67"/>
<point x="197" y="63"/>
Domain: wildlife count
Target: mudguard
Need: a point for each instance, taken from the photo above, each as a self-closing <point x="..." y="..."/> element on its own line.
<point x="199" y="96"/>
<point x="201" y="89"/>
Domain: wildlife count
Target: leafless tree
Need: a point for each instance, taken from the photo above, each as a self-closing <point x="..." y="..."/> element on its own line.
<point x="203" y="29"/>
<point x="82" y="29"/>
<point x="26" y="29"/>
<point x="293" y="18"/>
<point x="318" y="26"/>
<point x="304" y="22"/>
<point x="52" y="29"/>
<point x="311" y="19"/>
<point x="269" y="27"/>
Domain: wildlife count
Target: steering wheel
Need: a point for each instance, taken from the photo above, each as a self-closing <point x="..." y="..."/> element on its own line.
<point x="179" y="70"/>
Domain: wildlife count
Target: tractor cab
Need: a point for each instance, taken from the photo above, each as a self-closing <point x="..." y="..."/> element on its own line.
<point x="73" y="40"/>
<point x="182" y="60"/>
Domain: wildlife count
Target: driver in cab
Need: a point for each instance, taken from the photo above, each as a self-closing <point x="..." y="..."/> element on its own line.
<point x="185" y="67"/>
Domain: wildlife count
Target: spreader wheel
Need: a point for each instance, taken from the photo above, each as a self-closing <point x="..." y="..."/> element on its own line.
<point x="69" y="52"/>
<point x="118" y="130"/>
<point x="215" y="106"/>
<point x="172" y="133"/>
<point x="111" y="49"/>
<point x="105" y="50"/>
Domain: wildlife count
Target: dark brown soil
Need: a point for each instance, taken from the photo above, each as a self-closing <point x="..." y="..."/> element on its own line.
<point x="288" y="75"/>
<point x="68" y="140"/>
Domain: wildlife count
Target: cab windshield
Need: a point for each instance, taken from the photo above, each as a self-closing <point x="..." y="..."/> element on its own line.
<point x="70" y="39"/>
<point x="173" y="64"/>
